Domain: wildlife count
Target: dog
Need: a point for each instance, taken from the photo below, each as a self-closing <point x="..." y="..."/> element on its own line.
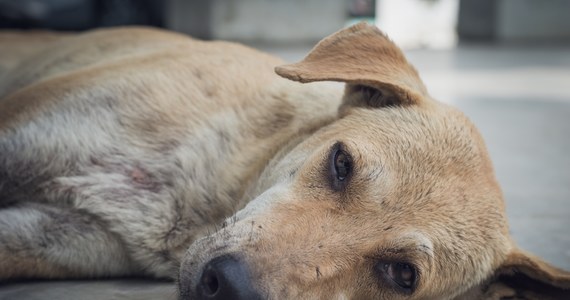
<point x="141" y="152"/>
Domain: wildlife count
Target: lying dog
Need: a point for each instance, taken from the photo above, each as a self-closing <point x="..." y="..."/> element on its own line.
<point x="129" y="151"/>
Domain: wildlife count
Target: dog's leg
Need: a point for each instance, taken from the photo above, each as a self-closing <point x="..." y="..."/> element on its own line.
<point x="42" y="241"/>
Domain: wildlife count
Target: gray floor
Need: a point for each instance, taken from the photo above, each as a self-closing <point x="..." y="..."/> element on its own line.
<point x="520" y="100"/>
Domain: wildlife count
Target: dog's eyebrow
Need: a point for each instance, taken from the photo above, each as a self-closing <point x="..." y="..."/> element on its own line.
<point x="409" y="250"/>
<point x="416" y="242"/>
<point x="425" y="249"/>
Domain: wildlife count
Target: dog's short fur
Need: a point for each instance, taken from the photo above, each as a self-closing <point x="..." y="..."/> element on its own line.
<point x="129" y="152"/>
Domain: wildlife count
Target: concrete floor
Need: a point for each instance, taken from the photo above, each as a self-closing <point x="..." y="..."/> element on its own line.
<point x="520" y="100"/>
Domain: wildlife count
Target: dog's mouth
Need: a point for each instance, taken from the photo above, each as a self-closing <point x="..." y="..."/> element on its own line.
<point x="214" y="268"/>
<point x="223" y="277"/>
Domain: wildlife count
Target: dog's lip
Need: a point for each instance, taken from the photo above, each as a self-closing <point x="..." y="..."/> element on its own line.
<point x="199" y="253"/>
<point x="192" y="267"/>
<point x="223" y="242"/>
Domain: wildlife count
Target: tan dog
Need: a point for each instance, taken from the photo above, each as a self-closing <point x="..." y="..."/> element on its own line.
<point x="121" y="148"/>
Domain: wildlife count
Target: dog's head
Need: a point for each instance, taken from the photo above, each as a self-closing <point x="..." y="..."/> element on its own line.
<point x="397" y="199"/>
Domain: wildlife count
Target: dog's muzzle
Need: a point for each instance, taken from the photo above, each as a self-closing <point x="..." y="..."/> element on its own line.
<point x="224" y="277"/>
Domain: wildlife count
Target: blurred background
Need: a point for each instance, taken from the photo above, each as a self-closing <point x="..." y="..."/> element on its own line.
<point x="505" y="63"/>
<point x="412" y="23"/>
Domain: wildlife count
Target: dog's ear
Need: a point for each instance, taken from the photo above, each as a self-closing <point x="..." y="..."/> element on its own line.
<point x="375" y="69"/>
<point x="524" y="276"/>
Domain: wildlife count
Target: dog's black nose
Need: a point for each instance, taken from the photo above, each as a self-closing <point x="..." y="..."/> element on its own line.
<point x="225" y="277"/>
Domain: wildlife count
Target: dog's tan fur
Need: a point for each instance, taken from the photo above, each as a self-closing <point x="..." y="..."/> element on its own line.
<point x="121" y="148"/>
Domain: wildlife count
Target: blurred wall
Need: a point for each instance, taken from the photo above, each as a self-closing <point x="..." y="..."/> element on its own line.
<point x="191" y="17"/>
<point x="79" y="14"/>
<point x="526" y="21"/>
<point x="419" y="23"/>
<point x="275" y="21"/>
<point x="520" y="20"/>
<point x="285" y="21"/>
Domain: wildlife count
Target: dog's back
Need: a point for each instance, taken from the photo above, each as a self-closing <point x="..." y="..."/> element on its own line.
<point x="152" y="132"/>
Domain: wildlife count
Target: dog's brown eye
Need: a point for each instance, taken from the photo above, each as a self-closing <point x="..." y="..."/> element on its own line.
<point x="402" y="274"/>
<point x="340" y="167"/>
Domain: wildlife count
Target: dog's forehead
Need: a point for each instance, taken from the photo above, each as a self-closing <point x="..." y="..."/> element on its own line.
<point x="422" y="157"/>
<point x="437" y="137"/>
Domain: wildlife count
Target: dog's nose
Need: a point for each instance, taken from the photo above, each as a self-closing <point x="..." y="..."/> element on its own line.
<point x="225" y="277"/>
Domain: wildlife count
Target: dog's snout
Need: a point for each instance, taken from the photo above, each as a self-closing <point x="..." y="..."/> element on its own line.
<point x="225" y="277"/>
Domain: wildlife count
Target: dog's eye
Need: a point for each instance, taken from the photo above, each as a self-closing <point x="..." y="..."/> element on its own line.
<point x="402" y="274"/>
<point x="340" y="167"/>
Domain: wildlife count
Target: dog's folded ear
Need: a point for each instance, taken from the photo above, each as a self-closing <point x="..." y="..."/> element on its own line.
<point x="531" y="277"/>
<point x="375" y="69"/>
<point x="524" y="276"/>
